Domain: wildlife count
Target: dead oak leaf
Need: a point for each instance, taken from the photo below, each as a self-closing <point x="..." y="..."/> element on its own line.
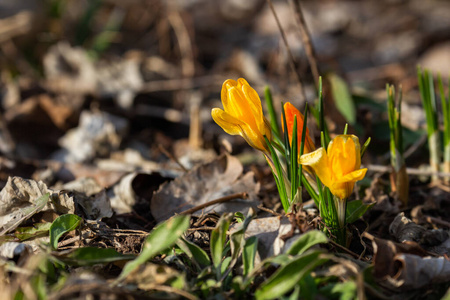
<point x="221" y="177"/>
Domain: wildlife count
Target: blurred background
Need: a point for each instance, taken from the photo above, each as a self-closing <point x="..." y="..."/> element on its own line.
<point x="113" y="84"/>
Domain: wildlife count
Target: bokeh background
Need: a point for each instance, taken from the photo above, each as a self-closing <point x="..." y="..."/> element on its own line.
<point x="122" y="80"/>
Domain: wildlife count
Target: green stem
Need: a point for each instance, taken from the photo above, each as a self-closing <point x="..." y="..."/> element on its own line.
<point x="341" y="231"/>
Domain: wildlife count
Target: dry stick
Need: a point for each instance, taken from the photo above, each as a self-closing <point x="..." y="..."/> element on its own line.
<point x="431" y="220"/>
<point x="181" y="84"/>
<point x="261" y="207"/>
<point x="288" y="48"/>
<point x="410" y="171"/>
<point x="348" y="251"/>
<point x="189" y="211"/>
<point x="169" y="289"/>
<point x="306" y="38"/>
<point x="183" y="39"/>
<point x="172" y="157"/>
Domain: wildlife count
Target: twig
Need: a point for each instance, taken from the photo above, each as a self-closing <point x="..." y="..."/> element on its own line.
<point x="201" y="228"/>
<point x="288" y="48"/>
<point x="172" y="157"/>
<point x="243" y="195"/>
<point x="431" y="219"/>
<point x="306" y="38"/>
<point x="344" y="249"/>
<point x="181" y="84"/>
<point x="261" y="207"/>
<point x="183" y="38"/>
<point x="410" y="171"/>
<point x="169" y="289"/>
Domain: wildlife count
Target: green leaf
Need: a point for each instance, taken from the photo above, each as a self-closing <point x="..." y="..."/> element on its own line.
<point x="249" y="254"/>
<point x="91" y="255"/>
<point x="272" y="113"/>
<point x="218" y="237"/>
<point x="162" y="237"/>
<point x="343" y="98"/>
<point x="306" y="241"/>
<point x="237" y="241"/>
<point x="286" y="277"/>
<point x="194" y="252"/>
<point x="61" y="225"/>
<point x="342" y="290"/>
<point x="25" y="233"/>
<point x="356" y="209"/>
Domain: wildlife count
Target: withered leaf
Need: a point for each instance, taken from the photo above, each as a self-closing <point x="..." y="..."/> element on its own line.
<point x="219" y="178"/>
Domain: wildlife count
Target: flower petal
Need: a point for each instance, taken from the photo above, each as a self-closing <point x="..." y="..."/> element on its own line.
<point x="234" y="126"/>
<point x="229" y="124"/>
<point x="353" y="176"/>
<point x="318" y="160"/>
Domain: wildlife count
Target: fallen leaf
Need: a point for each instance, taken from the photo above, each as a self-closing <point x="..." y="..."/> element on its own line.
<point x="97" y="134"/>
<point x="18" y="201"/>
<point x="219" y="178"/>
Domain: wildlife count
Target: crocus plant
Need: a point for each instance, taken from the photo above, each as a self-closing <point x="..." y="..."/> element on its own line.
<point x="338" y="168"/>
<point x="329" y="175"/>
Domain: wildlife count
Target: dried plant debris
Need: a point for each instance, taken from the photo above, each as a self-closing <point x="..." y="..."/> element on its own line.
<point x="14" y="250"/>
<point x="22" y="198"/>
<point x="98" y="134"/>
<point x="395" y="269"/>
<point x="221" y="177"/>
<point x="434" y="240"/>
<point x="71" y="70"/>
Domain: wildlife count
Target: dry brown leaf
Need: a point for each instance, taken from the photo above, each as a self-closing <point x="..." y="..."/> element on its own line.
<point x="97" y="134"/>
<point x="435" y="240"/>
<point x="219" y="178"/>
<point x="20" y="193"/>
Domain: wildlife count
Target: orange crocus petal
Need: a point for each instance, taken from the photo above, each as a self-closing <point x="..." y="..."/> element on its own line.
<point x="291" y="112"/>
<point x="318" y="161"/>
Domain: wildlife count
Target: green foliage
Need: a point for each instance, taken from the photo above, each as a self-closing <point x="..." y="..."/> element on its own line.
<point x="218" y="237"/>
<point x="343" y="98"/>
<point x="427" y="93"/>
<point x="61" y="225"/>
<point x="356" y="209"/>
<point x="306" y="241"/>
<point x="272" y="113"/>
<point x="287" y="276"/>
<point x="38" y="229"/>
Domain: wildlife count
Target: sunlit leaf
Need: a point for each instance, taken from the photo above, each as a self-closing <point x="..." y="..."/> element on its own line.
<point x="287" y="276"/>
<point x="25" y="233"/>
<point x="218" y="236"/>
<point x="194" y="252"/>
<point x="61" y="225"/>
<point x="306" y="241"/>
<point x="249" y="254"/>
<point x="343" y="98"/>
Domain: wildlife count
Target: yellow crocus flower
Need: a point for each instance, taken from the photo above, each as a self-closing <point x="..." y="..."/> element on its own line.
<point x="242" y="114"/>
<point x="339" y="167"/>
